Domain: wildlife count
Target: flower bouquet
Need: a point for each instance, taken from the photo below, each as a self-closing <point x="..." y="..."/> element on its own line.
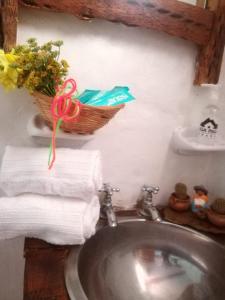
<point x="37" y="68"/>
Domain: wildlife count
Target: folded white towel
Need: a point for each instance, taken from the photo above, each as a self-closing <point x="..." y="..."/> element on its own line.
<point x="56" y="220"/>
<point x="76" y="173"/>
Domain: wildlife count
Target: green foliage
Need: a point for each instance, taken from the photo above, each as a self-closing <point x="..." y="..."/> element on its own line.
<point x="219" y="205"/>
<point x="38" y="67"/>
<point x="181" y="191"/>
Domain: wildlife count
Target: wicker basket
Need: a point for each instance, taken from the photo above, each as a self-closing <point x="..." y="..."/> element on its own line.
<point x="90" y="119"/>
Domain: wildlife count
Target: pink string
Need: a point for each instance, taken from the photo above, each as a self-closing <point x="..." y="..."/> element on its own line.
<point x="65" y="109"/>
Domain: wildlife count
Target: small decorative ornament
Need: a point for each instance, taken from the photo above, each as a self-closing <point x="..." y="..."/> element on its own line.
<point x="200" y="201"/>
<point x="216" y="214"/>
<point x="180" y="200"/>
<point x="219" y="206"/>
<point x="65" y="109"/>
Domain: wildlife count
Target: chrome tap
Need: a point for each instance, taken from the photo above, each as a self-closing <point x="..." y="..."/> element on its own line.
<point x="148" y="208"/>
<point x="107" y="207"/>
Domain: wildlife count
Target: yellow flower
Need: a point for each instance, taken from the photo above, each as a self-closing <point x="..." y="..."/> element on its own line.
<point x="8" y="74"/>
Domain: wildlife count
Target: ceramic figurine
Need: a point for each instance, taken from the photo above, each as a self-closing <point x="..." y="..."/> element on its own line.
<point x="179" y="200"/>
<point x="216" y="214"/>
<point x="200" y="201"/>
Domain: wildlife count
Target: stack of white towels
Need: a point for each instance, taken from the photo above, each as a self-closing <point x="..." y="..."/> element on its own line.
<point x="60" y="206"/>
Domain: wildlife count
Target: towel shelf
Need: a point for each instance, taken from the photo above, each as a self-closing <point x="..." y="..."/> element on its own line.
<point x="37" y="128"/>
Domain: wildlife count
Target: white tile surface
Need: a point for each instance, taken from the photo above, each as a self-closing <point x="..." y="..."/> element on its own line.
<point x="136" y="148"/>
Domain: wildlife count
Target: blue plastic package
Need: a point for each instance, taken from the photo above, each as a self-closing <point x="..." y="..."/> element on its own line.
<point x="116" y="96"/>
<point x="97" y="97"/>
<point x="87" y="95"/>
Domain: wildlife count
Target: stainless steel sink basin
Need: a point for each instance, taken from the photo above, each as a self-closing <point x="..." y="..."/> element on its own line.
<point x="142" y="260"/>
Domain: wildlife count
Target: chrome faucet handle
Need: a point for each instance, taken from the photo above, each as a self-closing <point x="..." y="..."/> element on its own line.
<point x="150" y="189"/>
<point x="107" y="211"/>
<point x="149" y="192"/>
<point x="148" y="209"/>
<point x="108" y="189"/>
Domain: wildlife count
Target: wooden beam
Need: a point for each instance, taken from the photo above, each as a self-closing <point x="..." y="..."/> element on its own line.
<point x="9" y="15"/>
<point x="171" y="16"/>
<point x="1" y="28"/>
<point x="44" y="271"/>
<point x="210" y="56"/>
